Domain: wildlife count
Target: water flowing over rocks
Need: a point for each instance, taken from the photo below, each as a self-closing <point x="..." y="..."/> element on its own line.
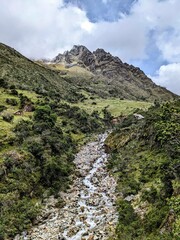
<point x="89" y="212"/>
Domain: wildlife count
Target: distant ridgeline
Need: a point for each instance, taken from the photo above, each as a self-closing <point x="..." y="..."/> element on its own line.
<point x="145" y="159"/>
<point x="97" y="73"/>
<point x="42" y="125"/>
<point x="112" y="76"/>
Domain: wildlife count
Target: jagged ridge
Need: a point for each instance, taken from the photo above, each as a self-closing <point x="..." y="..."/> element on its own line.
<point x="124" y="80"/>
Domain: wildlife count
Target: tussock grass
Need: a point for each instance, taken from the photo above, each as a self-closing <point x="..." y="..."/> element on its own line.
<point x="116" y="106"/>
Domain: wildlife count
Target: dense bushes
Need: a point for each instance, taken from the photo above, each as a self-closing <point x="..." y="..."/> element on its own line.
<point x="43" y="163"/>
<point x="147" y="167"/>
<point x="7" y="116"/>
<point x="11" y="101"/>
<point x="82" y="121"/>
<point x="128" y="226"/>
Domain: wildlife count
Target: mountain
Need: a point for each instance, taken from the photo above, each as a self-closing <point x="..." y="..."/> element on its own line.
<point x="97" y="73"/>
<point x="49" y="109"/>
<point x="117" y="78"/>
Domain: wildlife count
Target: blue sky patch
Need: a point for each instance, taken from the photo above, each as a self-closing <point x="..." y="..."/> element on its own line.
<point x="103" y="10"/>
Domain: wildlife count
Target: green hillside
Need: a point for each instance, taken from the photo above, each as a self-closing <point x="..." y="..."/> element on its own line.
<point x="46" y="114"/>
<point x="23" y="73"/>
<point x="38" y="139"/>
<point x="36" y="152"/>
<point x="74" y="84"/>
<point x="145" y="157"/>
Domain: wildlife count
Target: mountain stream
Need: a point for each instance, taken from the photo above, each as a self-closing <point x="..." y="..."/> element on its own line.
<point x="89" y="212"/>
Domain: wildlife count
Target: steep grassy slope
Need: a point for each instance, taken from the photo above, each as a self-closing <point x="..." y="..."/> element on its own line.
<point x="73" y="83"/>
<point x="17" y="70"/>
<point x="145" y="157"/>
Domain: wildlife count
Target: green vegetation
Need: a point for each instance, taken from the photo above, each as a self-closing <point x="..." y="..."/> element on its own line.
<point x="36" y="158"/>
<point x="56" y="82"/>
<point x="37" y="148"/>
<point x="145" y="160"/>
<point x="47" y="112"/>
<point x="115" y="106"/>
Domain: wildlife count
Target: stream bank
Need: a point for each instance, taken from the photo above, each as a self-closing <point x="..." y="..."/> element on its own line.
<point x="89" y="212"/>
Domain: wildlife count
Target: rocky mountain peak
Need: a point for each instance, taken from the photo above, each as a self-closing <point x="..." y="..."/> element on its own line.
<point x="104" y="57"/>
<point x="78" y="54"/>
<point x="95" y="61"/>
<point x="110" y="68"/>
<point x="78" y="50"/>
<point x="100" y="51"/>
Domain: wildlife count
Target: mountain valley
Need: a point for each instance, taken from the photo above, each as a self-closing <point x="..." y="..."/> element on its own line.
<point x="50" y="110"/>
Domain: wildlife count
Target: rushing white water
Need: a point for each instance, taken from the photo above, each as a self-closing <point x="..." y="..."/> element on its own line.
<point x="90" y="211"/>
<point x="93" y="211"/>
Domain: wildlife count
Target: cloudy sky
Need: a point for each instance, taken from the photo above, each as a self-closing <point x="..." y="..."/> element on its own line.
<point x="145" y="33"/>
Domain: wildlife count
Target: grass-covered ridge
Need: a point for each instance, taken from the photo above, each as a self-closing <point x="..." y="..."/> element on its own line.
<point x="17" y="70"/>
<point x="145" y="158"/>
<point x="54" y="80"/>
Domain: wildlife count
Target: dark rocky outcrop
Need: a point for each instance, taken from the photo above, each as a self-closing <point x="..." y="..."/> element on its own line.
<point x="123" y="80"/>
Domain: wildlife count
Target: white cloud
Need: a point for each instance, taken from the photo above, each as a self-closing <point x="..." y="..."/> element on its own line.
<point x="126" y="38"/>
<point x="168" y="43"/>
<point x="129" y="36"/>
<point x="169" y="77"/>
<point x="42" y="28"/>
<point x="163" y="18"/>
<point x="88" y="26"/>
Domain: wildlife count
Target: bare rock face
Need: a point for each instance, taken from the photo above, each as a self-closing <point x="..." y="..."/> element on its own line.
<point x="122" y="80"/>
<point x="99" y="62"/>
<point x="107" y="64"/>
<point x="78" y="54"/>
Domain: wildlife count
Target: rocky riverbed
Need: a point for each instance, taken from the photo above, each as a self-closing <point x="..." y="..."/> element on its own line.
<point x="89" y="212"/>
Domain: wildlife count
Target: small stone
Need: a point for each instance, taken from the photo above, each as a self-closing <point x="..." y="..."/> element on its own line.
<point x="91" y="237"/>
<point x="82" y="208"/>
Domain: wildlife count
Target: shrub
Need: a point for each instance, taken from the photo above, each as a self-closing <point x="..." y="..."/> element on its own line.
<point x="7" y="116"/>
<point x="2" y="108"/>
<point x="3" y="83"/>
<point x="23" y="129"/>
<point x="11" y="101"/>
<point x="24" y="100"/>
<point x="107" y="116"/>
<point x="154" y="218"/>
<point x="44" y="114"/>
<point x="14" y="92"/>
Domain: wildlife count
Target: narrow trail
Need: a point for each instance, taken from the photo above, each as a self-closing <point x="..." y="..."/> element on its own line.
<point x="89" y="212"/>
